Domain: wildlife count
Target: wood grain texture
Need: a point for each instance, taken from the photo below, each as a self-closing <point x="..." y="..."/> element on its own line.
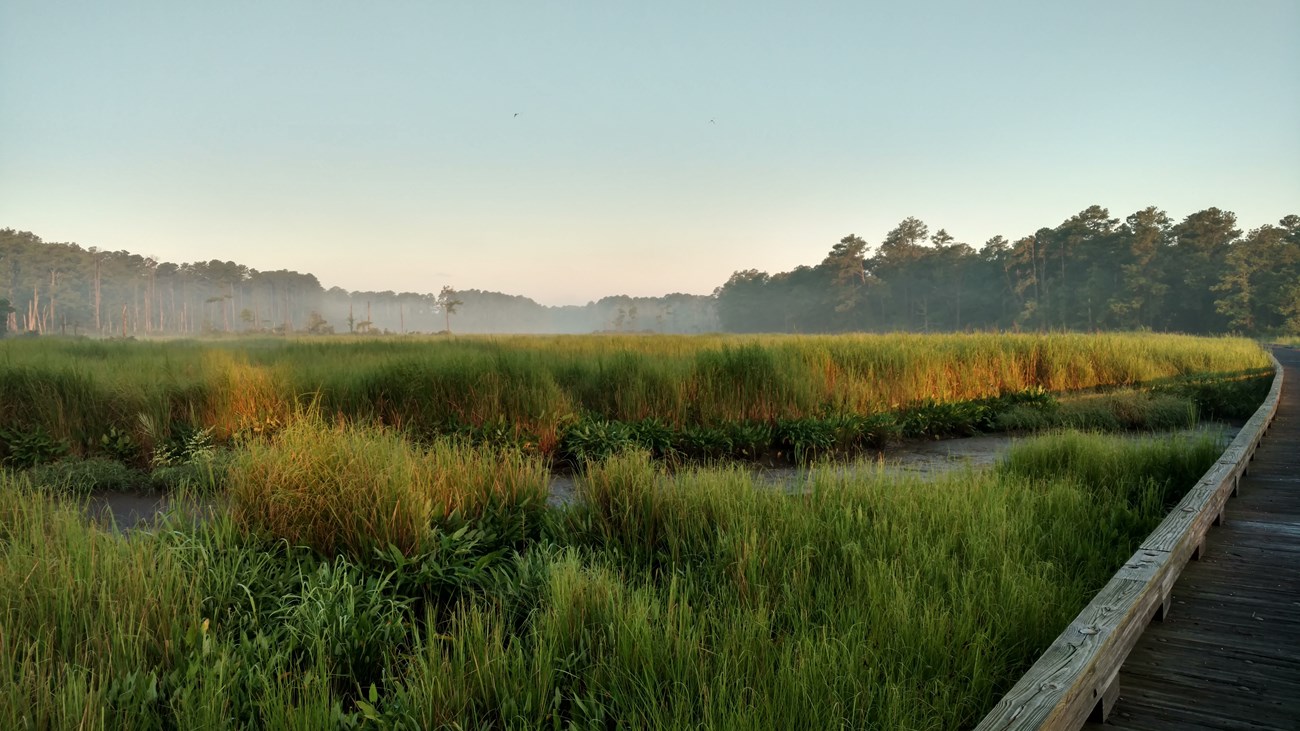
<point x="1229" y="655"/>
<point x="1077" y="676"/>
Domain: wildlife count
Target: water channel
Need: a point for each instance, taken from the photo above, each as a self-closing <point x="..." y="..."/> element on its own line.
<point x="915" y="459"/>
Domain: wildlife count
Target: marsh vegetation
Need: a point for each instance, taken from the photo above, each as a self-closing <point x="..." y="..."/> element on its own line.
<point x="385" y="555"/>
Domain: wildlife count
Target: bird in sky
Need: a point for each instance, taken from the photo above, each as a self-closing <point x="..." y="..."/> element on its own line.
<point x="711" y="122"/>
<point x="516" y="114"/>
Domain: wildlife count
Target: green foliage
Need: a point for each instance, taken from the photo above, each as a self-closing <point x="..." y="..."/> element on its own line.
<point x="1090" y="272"/>
<point x="22" y="448"/>
<point x="347" y="618"/>
<point x="1222" y="398"/>
<point x="186" y="446"/>
<point x="5" y="309"/>
<point x="525" y="392"/>
<point x="749" y="440"/>
<point x="704" y="443"/>
<point x="655" y="437"/>
<point x="593" y="441"/>
<point x="805" y="438"/>
<point x="120" y="445"/>
<point x="84" y="476"/>
<point x="1175" y="404"/>
<point x="353" y="490"/>
<point x="1104" y="463"/>
<point x="203" y="477"/>
<point x="700" y="599"/>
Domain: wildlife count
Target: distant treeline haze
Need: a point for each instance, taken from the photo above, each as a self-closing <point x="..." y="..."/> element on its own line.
<point x="1200" y="275"/>
<point x="63" y="288"/>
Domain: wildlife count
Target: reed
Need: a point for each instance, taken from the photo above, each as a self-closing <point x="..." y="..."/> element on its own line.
<point x="697" y="599"/>
<point x="705" y="600"/>
<point x="529" y="390"/>
<point x="360" y="490"/>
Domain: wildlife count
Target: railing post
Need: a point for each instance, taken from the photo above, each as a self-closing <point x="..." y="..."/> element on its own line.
<point x="1106" y="697"/>
<point x="1166" y="603"/>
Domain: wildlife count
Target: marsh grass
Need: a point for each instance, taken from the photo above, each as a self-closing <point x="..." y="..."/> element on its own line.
<point x="703" y="600"/>
<point x="695" y="599"/>
<point x="1118" y="410"/>
<point x="89" y="622"/>
<point x="389" y="561"/>
<point x="80" y="477"/>
<point x="360" y="490"/>
<point x="528" y="390"/>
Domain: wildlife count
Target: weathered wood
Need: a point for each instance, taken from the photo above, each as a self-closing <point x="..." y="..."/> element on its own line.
<point x="1063" y="687"/>
<point x="1077" y="677"/>
<point x="1106" y="702"/>
<point x="1229" y="655"/>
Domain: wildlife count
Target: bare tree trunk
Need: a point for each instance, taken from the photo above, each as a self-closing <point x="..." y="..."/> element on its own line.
<point x="153" y="297"/>
<point x="135" y="306"/>
<point x="98" y="273"/>
<point x="54" y="280"/>
<point x="226" y="303"/>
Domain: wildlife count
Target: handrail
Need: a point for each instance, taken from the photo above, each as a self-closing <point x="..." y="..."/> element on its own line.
<point x="1076" y="680"/>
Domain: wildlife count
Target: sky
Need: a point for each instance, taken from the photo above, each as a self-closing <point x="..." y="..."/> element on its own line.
<point x="572" y="150"/>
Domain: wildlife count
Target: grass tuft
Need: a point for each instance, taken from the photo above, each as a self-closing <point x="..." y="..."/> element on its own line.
<point x="358" y="490"/>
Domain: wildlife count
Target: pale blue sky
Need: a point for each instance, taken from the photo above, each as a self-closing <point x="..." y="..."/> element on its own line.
<point x="375" y="144"/>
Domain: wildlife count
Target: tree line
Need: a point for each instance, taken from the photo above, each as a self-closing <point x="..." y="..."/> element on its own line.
<point x="1091" y="272"/>
<point x="62" y="288"/>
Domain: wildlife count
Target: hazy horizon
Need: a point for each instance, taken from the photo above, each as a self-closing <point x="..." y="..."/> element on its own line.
<point x="570" y="154"/>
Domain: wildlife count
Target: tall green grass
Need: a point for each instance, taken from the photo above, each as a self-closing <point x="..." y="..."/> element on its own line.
<point x="89" y="622"/>
<point x="703" y="600"/>
<point x="361" y="490"/>
<point x="700" y="599"/>
<point x="529" y="390"/>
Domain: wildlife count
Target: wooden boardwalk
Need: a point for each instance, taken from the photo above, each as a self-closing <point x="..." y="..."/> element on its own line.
<point x="1228" y="654"/>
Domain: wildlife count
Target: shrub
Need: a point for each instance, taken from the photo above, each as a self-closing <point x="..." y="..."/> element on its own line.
<point x="594" y="440"/>
<point x="805" y="438"/>
<point x="29" y="447"/>
<point x="121" y="446"/>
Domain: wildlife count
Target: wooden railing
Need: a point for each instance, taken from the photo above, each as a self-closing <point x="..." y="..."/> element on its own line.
<point x="1076" y="679"/>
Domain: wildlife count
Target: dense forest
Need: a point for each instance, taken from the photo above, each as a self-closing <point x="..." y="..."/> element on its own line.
<point x="1091" y="272"/>
<point x="1200" y="275"/>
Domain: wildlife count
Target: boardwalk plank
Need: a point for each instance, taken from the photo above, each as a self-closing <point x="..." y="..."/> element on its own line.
<point x="1228" y="655"/>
